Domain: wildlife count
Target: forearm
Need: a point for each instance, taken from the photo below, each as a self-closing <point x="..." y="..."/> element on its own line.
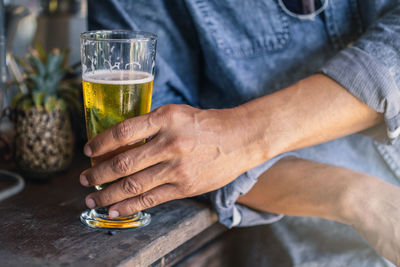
<point x="312" y="111"/>
<point x="305" y="188"/>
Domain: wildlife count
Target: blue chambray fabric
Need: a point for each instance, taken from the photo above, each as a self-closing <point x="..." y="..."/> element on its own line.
<point x="222" y="53"/>
<point x="369" y="69"/>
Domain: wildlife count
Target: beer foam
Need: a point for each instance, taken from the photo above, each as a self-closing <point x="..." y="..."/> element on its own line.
<point x="117" y="77"/>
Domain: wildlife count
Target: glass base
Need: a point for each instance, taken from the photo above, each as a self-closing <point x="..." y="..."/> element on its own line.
<point x="98" y="218"/>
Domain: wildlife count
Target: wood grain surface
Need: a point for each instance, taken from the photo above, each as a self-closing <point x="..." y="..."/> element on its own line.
<point x="40" y="227"/>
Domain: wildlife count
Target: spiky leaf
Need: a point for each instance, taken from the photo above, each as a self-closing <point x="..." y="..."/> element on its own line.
<point x="38" y="84"/>
<point x="38" y="98"/>
<point x="43" y="75"/>
<point x="37" y="65"/>
<point x="50" y="103"/>
<point x="52" y="82"/>
<point x="54" y="62"/>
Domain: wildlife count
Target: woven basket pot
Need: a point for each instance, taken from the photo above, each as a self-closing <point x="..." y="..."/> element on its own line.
<point x="44" y="142"/>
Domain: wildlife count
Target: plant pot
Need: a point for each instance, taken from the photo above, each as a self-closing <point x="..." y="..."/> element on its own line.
<point x="44" y="142"/>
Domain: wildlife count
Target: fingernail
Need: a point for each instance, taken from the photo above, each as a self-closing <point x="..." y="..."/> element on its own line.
<point x="113" y="214"/>
<point x="84" y="180"/>
<point x="87" y="150"/>
<point x="90" y="203"/>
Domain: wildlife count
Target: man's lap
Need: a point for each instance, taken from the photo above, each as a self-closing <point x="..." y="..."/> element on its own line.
<point x="310" y="242"/>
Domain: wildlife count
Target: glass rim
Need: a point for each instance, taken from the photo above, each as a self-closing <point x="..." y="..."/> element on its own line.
<point x="138" y="36"/>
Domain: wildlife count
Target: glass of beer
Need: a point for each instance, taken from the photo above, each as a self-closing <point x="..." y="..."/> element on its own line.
<point x="117" y="74"/>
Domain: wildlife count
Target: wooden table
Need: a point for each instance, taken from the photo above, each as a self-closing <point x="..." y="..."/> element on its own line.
<point x="40" y="227"/>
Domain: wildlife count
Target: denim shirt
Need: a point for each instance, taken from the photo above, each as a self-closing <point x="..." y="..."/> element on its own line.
<point x="222" y="53"/>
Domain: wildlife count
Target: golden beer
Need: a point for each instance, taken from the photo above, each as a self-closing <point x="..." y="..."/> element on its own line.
<point x="114" y="96"/>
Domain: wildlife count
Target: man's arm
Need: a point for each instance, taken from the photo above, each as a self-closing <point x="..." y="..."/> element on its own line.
<point x="312" y="111"/>
<point x="305" y="188"/>
<point x="196" y="151"/>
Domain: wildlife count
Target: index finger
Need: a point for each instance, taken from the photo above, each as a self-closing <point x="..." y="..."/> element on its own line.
<point x="123" y="133"/>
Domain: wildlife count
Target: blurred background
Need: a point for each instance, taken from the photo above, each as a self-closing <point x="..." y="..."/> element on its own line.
<point x="55" y="25"/>
<point x="52" y="23"/>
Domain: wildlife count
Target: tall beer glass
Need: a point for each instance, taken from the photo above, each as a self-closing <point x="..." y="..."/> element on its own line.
<point x="117" y="74"/>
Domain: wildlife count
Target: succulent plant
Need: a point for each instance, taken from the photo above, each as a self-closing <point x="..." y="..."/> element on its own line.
<point x="45" y="80"/>
<point x="44" y="140"/>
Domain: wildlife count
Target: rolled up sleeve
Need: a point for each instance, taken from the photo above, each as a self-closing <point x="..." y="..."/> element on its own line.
<point x="232" y="214"/>
<point x="370" y="70"/>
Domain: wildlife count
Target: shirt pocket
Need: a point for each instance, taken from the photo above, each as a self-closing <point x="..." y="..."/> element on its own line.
<point x="245" y="28"/>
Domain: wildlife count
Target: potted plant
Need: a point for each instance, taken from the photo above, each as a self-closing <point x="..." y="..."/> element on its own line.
<point x="44" y="140"/>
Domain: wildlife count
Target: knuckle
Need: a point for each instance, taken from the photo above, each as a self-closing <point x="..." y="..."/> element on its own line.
<point x="92" y="178"/>
<point x="160" y="111"/>
<point x="176" y="114"/>
<point x="151" y="120"/>
<point x="128" y="207"/>
<point x="184" y="181"/>
<point x="122" y="130"/>
<point x="167" y="111"/>
<point x="179" y="144"/>
<point x="147" y="200"/>
<point x="172" y="113"/>
<point x="182" y="174"/>
<point x="186" y="189"/>
<point x="131" y="187"/>
<point x="102" y="198"/>
<point x="159" y="116"/>
<point x="96" y="145"/>
<point x="121" y="164"/>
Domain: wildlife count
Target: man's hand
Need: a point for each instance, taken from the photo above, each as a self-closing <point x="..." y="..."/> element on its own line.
<point x="191" y="151"/>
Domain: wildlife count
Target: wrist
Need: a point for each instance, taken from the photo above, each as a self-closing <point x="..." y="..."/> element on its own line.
<point x="361" y="201"/>
<point x="268" y="125"/>
<point x="253" y="128"/>
<point x="375" y="216"/>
